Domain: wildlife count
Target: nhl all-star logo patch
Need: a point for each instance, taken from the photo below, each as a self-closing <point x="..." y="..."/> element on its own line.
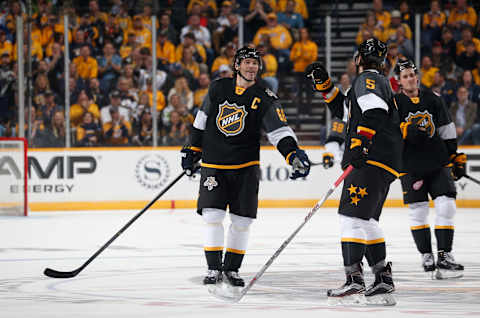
<point x="210" y="183"/>
<point x="423" y="119"/>
<point x="231" y="118"/>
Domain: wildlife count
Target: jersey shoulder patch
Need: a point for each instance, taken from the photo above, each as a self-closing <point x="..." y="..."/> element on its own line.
<point x="270" y="93"/>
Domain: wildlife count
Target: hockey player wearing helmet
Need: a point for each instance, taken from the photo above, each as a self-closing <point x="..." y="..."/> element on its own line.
<point x="226" y="137"/>
<point x="373" y="146"/>
<point x="430" y="166"/>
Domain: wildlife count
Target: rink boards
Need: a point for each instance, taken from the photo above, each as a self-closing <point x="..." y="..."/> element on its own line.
<point x="128" y="178"/>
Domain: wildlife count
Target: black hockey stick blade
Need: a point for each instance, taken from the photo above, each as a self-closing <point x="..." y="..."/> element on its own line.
<point x="473" y="179"/>
<point x="57" y="274"/>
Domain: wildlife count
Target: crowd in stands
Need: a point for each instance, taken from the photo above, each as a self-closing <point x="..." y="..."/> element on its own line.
<point x="110" y="66"/>
<point x="450" y="50"/>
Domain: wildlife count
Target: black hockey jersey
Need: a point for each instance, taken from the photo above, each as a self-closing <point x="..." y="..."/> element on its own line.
<point x="228" y="126"/>
<point x="430" y="112"/>
<point x="371" y="91"/>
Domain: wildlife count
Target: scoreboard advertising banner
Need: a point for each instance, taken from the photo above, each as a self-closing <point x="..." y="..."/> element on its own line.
<point x="128" y="178"/>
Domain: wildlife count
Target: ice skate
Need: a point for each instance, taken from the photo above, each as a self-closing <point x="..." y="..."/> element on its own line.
<point x="428" y="263"/>
<point x="447" y="267"/>
<point x="352" y="292"/>
<point x="380" y="292"/>
<point x="229" y="287"/>
<point x="212" y="278"/>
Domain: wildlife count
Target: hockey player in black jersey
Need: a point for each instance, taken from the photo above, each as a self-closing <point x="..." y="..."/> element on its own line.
<point x="430" y="166"/>
<point x="226" y="137"/>
<point x="373" y="147"/>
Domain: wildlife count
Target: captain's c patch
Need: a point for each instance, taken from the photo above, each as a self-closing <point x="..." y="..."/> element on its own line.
<point x="231" y="118"/>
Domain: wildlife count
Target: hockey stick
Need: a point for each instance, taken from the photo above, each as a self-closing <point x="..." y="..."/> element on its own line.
<point x="472" y="178"/>
<point x="58" y="274"/>
<point x="317" y="206"/>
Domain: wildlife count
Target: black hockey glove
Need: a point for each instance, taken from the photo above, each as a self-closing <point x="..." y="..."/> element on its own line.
<point x="413" y="132"/>
<point x="359" y="146"/>
<point x="189" y="159"/>
<point x="321" y="81"/>
<point x="327" y="160"/>
<point x="459" y="169"/>
<point x="300" y="163"/>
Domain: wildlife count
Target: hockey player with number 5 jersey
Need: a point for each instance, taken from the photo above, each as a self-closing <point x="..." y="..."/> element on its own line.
<point x="373" y="146"/>
<point x="430" y="166"/>
<point x="226" y="137"/>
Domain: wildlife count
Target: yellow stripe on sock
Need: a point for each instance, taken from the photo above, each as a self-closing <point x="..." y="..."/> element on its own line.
<point x="213" y="248"/>
<point x="420" y="227"/>
<point x="377" y="241"/>
<point x="353" y="240"/>
<point x="232" y="250"/>
<point x="444" y="227"/>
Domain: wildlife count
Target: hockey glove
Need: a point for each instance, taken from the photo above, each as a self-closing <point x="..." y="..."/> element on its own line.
<point x="459" y="169"/>
<point x="300" y="163"/>
<point x="321" y="81"/>
<point x="189" y="159"/>
<point x="413" y="132"/>
<point x="327" y="160"/>
<point x="359" y="146"/>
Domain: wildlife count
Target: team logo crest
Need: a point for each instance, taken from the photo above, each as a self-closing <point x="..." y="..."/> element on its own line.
<point x="423" y="119"/>
<point x="210" y="183"/>
<point x="231" y="119"/>
<point x="356" y="194"/>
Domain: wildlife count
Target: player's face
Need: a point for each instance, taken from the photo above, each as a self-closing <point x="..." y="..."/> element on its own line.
<point x="249" y="68"/>
<point x="408" y="79"/>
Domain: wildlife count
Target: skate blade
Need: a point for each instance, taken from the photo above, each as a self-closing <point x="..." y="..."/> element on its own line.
<point x="447" y="274"/>
<point x="355" y="299"/>
<point x="381" y="300"/>
<point x="225" y="292"/>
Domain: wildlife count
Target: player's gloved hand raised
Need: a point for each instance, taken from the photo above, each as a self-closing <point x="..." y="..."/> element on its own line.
<point x="359" y="151"/>
<point x="321" y="81"/>
<point x="413" y="132"/>
<point x="327" y="160"/>
<point x="459" y="169"/>
<point x="189" y="159"/>
<point x="300" y="163"/>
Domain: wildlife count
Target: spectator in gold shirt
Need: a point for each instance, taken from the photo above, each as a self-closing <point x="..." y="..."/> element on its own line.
<point x="462" y="15"/>
<point x="269" y="67"/>
<point x="118" y="131"/>
<point x="427" y="72"/>
<point x="200" y="92"/>
<point x="280" y="41"/>
<point x="165" y="50"/>
<point x="383" y="16"/>
<point x="304" y="52"/>
<point x="87" y="66"/>
<point x="83" y="105"/>
<point x="432" y="24"/>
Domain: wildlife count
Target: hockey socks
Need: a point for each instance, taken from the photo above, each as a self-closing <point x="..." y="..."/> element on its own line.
<point x="214" y="259"/>
<point x="352" y="252"/>
<point x="232" y="261"/>
<point x="444" y="236"/>
<point x="375" y="253"/>
<point x="423" y="238"/>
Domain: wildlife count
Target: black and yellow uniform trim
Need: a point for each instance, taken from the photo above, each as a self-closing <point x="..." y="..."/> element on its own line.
<point x="324" y="86"/>
<point x="444" y="227"/>
<point x="362" y="241"/>
<point x="331" y="95"/>
<point x="403" y="128"/>
<point x="355" y="142"/>
<point x="197" y="149"/>
<point x="419" y="227"/>
<point x="213" y="248"/>
<point x="239" y="90"/>
<point x="226" y="167"/>
<point x="383" y="166"/>
<point x="232" y="250"/>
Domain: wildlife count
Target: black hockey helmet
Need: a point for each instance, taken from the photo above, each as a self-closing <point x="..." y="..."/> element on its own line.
<point x="246" y="53"/>
<point x="404" y="64"/>
<point x="373" y="51"/>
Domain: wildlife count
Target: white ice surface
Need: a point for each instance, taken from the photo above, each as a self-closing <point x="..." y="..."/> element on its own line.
<point x="154" y="269"/>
